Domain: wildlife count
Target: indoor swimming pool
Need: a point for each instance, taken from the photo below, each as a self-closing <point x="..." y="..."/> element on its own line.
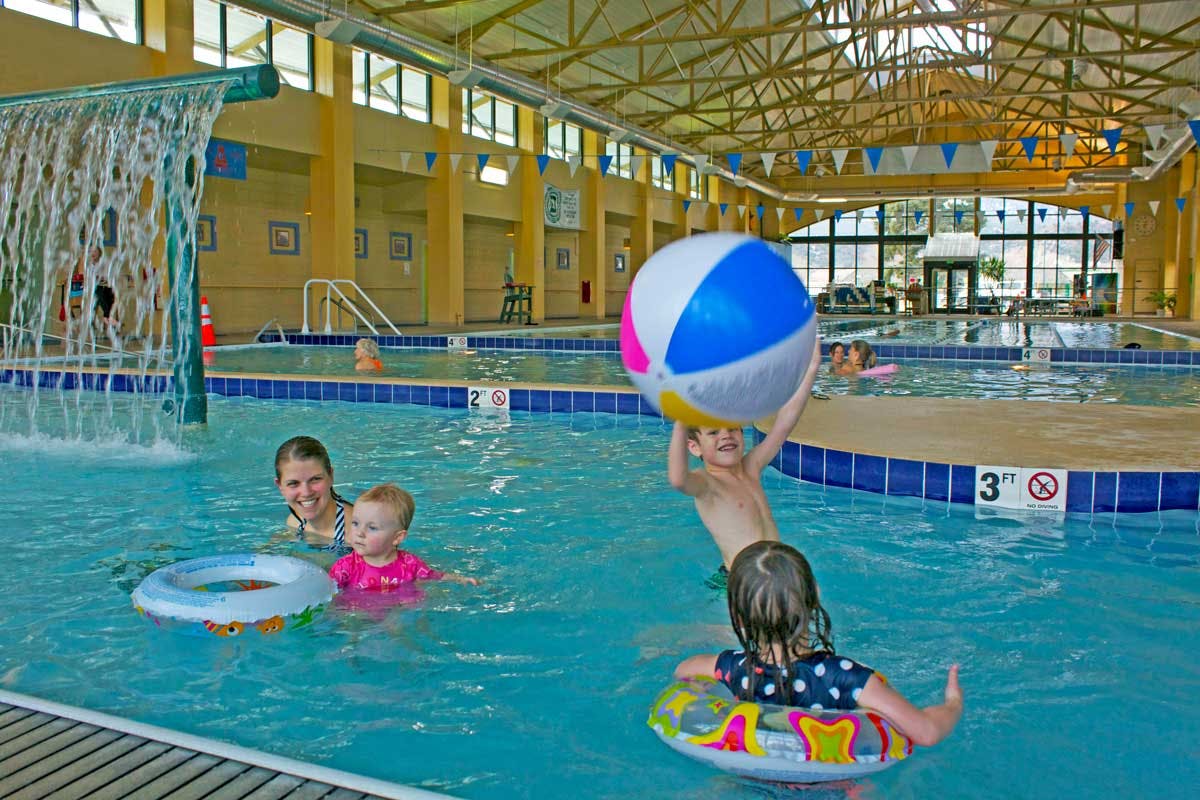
<point x="537" y="683"/>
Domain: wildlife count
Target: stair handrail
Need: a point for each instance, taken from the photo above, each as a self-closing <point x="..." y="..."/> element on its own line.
<point x="331" y="286"/>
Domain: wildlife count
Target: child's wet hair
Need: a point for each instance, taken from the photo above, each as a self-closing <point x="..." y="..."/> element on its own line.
<point x="369" y="346"/>
<point x="834" y="346"/>
<point x="774" y="605"/>
<point x="868" y="355"/>
<point x="302" y="448"/>
<point x="399" y="502"/>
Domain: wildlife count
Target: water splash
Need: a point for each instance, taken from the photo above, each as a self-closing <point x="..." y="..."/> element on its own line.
<point x="93" y="189"/>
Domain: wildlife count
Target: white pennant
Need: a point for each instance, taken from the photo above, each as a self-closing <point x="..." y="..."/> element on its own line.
<point x="513" y="161"/>
<point x="701" y="163"/>
<point x="1153" y="206"/>
<point x="404" y="157"/>
<point x="1068" y="141"/>
<point x="768" y="160"/>
<point x="1106" y="209"/>
<point x="1021" y="214"/>
<point x="839" y="158"/>
<point x="909" y="152"/>
<point x="741" y="210"/>
<point x="859" y="213"/>
<point x="1154" y="133"/>
<point x="989" y="149"/>
<point x="703" y="205"/>
<point x="779" y="212"/>
<point x="635" y="164"/>
<point x="819" y="213"/>
<point x="454" y="159"/>
<point x="573" y="164"/>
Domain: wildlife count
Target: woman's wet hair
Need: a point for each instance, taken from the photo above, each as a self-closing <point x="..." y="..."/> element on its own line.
<point x="302" y="448"/>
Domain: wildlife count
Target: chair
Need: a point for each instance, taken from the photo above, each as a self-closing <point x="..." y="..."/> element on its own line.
<point x="518" y="302"/>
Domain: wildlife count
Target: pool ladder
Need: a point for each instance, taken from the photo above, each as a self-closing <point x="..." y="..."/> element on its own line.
<point x="272" y="321"/>
<point x="343" y="303"/>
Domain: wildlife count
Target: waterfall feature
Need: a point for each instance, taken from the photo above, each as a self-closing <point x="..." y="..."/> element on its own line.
<point x="100" y="196"/>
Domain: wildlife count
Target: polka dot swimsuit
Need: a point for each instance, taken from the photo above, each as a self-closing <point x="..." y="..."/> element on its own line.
<point x="821" y="680"/>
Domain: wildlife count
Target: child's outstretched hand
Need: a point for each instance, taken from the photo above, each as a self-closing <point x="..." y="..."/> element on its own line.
<point x="463" y="579"/>
<point x="953" y="694"/>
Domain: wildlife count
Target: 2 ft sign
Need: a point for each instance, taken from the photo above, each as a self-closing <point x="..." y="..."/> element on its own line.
<point x="1027" y="488"/>
<point x="487" y="397"/>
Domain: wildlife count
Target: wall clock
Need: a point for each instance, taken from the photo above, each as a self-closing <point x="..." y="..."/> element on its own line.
<point x="1144" y="225"/>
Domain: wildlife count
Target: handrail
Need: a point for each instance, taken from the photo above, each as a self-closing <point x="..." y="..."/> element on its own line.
<point x="332" y="286"/>
<point x="267" y="324"/>
<point x="332" y="302"/>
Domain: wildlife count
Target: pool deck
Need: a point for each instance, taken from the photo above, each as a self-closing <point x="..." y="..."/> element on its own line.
<point x="50" y="750"/>
<point x="1015" y="433"/>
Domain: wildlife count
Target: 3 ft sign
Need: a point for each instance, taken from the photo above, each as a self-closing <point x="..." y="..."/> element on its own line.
<point x="1029" y="488"/>
<point x="487" y="397"/>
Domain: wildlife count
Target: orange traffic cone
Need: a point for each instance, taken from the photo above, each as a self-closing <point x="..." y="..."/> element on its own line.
<point x="208" y="335"/>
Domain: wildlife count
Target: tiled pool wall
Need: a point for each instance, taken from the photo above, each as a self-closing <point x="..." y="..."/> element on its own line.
<point x="1087" y="492"/>
<point x="1064" y="355"/>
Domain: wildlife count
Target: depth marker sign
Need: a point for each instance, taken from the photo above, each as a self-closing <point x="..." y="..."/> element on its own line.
<point x="487" y="397"/>
<point x="1028" y="488"/>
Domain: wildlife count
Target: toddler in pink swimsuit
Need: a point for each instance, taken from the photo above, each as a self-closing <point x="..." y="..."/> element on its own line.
<point x="380" y="523"/>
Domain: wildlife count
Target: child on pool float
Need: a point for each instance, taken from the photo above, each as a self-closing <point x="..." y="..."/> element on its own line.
<point x="727" y="488"/>
<point x="382" y="515"/>
<point x="787" y="656"/>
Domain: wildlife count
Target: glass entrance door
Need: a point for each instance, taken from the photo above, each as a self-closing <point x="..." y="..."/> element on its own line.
<point x="951" y="290"/>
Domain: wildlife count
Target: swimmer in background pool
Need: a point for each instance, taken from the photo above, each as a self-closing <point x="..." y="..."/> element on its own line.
<point x="304" y="476"/>
<point x="727" y="488"/>
<point x="787" y="656"/>
<point x="860" y="357"/>
<point x="837" y="358"/>
<point x="366" y="356"/>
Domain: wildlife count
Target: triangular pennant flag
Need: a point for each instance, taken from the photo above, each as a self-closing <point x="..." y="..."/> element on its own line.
<point x="858" y="213"/>
<point x="542" y="162"/>
<point x="989" y="149"/>
<point x="1194" y="124"/>
<point x="948" y="151"/>
<point x="917" y="216"/>
<point x="798" y="213"/>
<point x="879" y="214"/>
<point x="1068" y="142"/>
<point x="454" y="159"/>
<point x="668" y="162"/>
<point x="909" y="152"/>
<point x="768" y="160"/>
<point x="404" y="157"/>
<point x="513" y="161"/>
<point x="1021" y="215"/>
<point x="1030" y="144"/>
<point x="1129" y="208"/>
<point x="1154" y="134"/>
<point x="723" y="207"/>
<point x="837" y="215"/>
<point x="605" y="162"/>
<point x="482" y="158"/>
<point x="1085" y="211"/>
<point x="701" y="163"/>
<point x="873" y="156"/>
<point x="735" y="161"/>
<point x="686" y="205"/>
<point x="1000" y="215"/>
<point x="819" y="213"/>
<point x="741" y="209"/>
<point x="803" y="157"/>
<point x="1112" y="136"/>
<point x="779" y="213"/>
<point x="635" y="164"/>
<point x="839" y="158"/>
<point x="430" y="158"/>
<point x="703" y="205"/>
<point x="1180" y="202"/>
<point x="1153" y="206"/>
<point x="1041" y="212"/>
<point x="760" y="208"/>
<point x="573" y="163"/>
<point x="1106" y="210"/>
<point x="958" y="217"/>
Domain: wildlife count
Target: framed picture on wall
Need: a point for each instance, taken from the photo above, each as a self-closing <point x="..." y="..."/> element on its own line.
<point x="206" y="233"/>
<point x="400" y="246"/>
<point x="108" y="228"/>
<point x="563" y="260"/>
<point x="283" y="238"/>
<point x="619" y="262"/>
<point x="360" y="242"/>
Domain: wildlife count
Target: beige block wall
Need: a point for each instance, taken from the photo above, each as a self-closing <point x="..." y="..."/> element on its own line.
<point x="394" y="284"/>
<point x="617" y="286"/>
<point x="487" y="254"/>
<point x="562" y="285"/>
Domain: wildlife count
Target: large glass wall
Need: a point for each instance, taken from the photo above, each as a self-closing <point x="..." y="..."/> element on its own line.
<point x="1047" y="250"/>
<point x="118" y="19"/>
<point x="230" y="37"/>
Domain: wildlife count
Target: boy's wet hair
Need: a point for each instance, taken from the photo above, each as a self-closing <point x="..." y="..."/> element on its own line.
<point x="369" y="346"/>
<point x="302" y="448"/>
<point x="396" y="500"/>
<point x="774" y="605"/>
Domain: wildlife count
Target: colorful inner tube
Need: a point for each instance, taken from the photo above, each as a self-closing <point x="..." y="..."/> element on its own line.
<point x="700" y="718"/>
<point x="273" y="593"/>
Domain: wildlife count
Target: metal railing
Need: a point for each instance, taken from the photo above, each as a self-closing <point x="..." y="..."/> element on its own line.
<point x="331" y="290"/>
<point x="272" y="321"/>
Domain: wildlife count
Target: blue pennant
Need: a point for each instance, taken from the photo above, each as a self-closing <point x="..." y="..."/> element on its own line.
<point x="723" y="206"/>
<point x="1042" y="213"/>
<point x="686" y="205"/>
<point x="668" y="162"/>
<point x="1030" y="144"/>
<point x="1180" y="202"/>
<point x="1000" y="216"/>
<point x="917" y="216"/>
<point x="605" y="162"/>
<point x="873" y="155"/>
<point x="1194" y="124"/>
<point x="542" y="162"/>
<point x="430" y="158"/>
<point x="958" y="217"/>
<point x="482" y="158"/>
<point x="879" y="214"/>
<point x="948" y="151"/>
<point x="735" y="161"/>
<point x="760" y="210"/>
<point x="1129" y="208"/>
<point x="1085" y="211"/>
<point x="837" y="215"/>
<point x="1112" y="136"/>
<point x="798" y="212"/>
<point x="805" y="156"/>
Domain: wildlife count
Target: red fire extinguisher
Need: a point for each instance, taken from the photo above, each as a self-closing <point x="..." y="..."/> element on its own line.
<point x="585" y="292"/>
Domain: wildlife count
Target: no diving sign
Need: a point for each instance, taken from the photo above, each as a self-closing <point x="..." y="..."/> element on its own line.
<point x="1030" y="488"/>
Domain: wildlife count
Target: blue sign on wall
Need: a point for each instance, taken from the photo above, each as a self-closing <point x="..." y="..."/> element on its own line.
<point x="225" y="159"/>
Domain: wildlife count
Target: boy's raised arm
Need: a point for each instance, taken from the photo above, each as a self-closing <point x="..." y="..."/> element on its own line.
<point x="788" y="416"/>
<point x="678" y="473"/>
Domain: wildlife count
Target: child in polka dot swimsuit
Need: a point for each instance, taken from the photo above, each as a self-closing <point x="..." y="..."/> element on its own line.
<point x="787" y="656"/>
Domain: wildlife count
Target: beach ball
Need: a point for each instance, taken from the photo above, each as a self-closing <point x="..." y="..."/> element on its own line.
<point x="717" y="330"/>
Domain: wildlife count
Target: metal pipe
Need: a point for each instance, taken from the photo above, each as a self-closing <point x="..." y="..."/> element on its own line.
<point x="433" y="56"/>
<point x="258" y="82"/>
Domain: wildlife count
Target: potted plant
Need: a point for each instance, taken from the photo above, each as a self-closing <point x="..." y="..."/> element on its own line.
<point x="992" y="268"/>
<point x="1163" y="301"/>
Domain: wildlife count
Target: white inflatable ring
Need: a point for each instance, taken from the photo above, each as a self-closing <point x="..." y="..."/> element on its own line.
<point x="300" y="589"/>
<point x="699" y="718"/>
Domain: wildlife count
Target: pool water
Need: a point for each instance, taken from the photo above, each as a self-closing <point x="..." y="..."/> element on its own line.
<point x="1077" y="636"/>
<point x="1069" y="383"/>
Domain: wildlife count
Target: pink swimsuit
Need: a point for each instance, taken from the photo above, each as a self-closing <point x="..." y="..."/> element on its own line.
<point x="352" y="572"/>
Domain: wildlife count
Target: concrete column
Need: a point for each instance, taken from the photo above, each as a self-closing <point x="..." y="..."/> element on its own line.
<point x="331" y="173"/>
<point x="444" y="210"/>
<point x="530" y="247"/>
<point x="593" y="244"/>
<point x="1185" y="256"/>
<point x="168" y="28"/>
<point x="641" y="233"/>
